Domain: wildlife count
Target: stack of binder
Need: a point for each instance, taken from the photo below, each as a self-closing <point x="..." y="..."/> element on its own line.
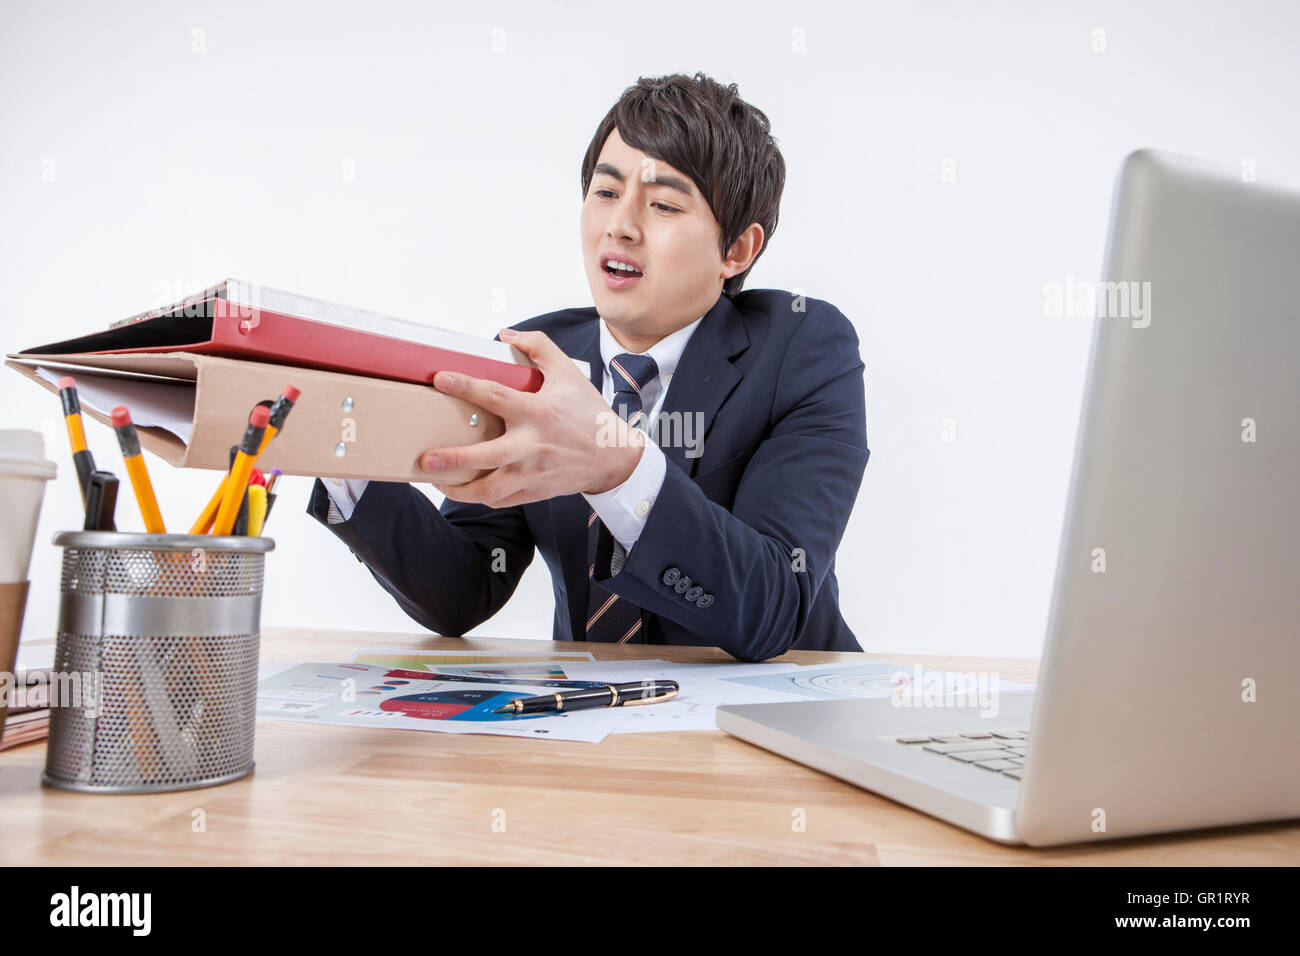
<point x="28" y="717"/>
<point x="27" y="698"/>
<point x="190" y="372"/>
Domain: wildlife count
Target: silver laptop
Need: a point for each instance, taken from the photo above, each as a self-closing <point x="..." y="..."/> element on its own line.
<point x="1169" y="692"/>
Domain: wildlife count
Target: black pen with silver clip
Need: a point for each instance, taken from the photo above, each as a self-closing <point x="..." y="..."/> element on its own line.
<point x="611" y="695"/>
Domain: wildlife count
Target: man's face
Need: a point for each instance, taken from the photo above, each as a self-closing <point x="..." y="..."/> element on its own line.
<point x="643" y="210"/>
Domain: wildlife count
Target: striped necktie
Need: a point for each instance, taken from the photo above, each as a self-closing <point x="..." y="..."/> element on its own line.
<point x="612" y="619"/>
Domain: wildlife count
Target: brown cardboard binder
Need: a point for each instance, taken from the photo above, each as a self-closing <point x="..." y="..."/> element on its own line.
<point x="190" y="408"/>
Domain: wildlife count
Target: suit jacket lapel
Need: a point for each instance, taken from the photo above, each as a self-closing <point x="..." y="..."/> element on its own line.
<point x="702" y="381"/>
<point x="704" y="378"/>
<point x="587" y="348"/>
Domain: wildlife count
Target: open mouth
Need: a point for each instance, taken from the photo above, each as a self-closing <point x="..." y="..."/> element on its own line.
<point x="621" y="270"/>
<point x="616" y="270"/>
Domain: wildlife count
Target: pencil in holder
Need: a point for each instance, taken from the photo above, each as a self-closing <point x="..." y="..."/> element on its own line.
<point x="160" y="633"/>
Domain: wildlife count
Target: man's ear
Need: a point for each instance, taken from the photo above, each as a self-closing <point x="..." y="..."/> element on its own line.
<point x="743" y="251"/>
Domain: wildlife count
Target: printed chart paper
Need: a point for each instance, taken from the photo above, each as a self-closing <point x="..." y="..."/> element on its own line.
<point x="874" y="679"/>
<point x="699" y="694"/>
<point x="364" y="695"/>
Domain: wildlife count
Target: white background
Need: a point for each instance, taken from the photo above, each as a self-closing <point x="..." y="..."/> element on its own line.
<point x="173" y="168"/>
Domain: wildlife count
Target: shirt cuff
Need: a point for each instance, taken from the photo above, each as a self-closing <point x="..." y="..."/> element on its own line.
<point x="625" y="509"/>
<point x="344" y="494"/>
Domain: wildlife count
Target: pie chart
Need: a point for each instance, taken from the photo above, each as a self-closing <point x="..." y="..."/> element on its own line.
<point x="453" y="705"/>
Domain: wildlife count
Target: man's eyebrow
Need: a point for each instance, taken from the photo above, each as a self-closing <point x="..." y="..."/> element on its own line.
<point x="660" y="179"/>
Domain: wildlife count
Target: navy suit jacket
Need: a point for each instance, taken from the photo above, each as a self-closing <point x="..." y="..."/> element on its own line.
<point x="753" y="514"/>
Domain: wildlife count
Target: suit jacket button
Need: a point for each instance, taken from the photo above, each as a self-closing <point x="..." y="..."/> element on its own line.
<point x="671" y="576"/>
<point x="704" y="601"/>
<point x="683" y="584"/>
<point x="694" y="593"/>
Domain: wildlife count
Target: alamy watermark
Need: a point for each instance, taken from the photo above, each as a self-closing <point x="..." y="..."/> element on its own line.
<point x="929" y="688"/>
<point x="77" y="908"/>
<point x="1085" y="299"/>
<point x="667" y="429"/>
<point x="52" y="689"/>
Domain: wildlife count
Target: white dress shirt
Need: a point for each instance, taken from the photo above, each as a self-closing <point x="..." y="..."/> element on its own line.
<point x="623" y="509"/>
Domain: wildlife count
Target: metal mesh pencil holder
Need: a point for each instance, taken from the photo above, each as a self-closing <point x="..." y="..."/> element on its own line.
<point x="160" y="635"/>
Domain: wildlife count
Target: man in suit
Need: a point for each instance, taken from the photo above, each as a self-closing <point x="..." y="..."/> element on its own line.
<point x="709" y="509"/>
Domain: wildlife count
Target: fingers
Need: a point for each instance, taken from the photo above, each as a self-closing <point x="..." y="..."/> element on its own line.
<point x="494" y="397"/>
<point x="522" y="497"/>
<point x="487" y="454"/>
<point x="488" y="497"/>
<point x="538" y="346"/>
<point x="503" y="488"/>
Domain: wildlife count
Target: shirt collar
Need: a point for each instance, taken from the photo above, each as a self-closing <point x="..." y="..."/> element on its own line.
<point x="667" y="352"/>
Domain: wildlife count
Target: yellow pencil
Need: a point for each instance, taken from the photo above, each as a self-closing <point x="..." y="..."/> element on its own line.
<point x="135" y="467"/>
<point x="202" y="525"/>
<point x="81" y="457"/>
<point x="237" y="482"/>
<point x="279" y="411"/>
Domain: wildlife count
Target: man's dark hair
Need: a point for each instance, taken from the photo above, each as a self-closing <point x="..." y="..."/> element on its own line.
<point x="704" y="129"/>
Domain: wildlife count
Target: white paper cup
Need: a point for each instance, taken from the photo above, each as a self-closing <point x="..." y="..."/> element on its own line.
<point x="24" y="471"/>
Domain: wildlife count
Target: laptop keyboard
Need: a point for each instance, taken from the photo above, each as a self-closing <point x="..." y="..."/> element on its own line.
<point x="997" y="751"/>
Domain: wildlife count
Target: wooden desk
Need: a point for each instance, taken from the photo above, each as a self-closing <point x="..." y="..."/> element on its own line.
<point x="350" y="795"/>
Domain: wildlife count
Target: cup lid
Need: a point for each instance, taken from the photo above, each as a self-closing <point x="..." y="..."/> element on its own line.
<point x="22" y="452"/>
